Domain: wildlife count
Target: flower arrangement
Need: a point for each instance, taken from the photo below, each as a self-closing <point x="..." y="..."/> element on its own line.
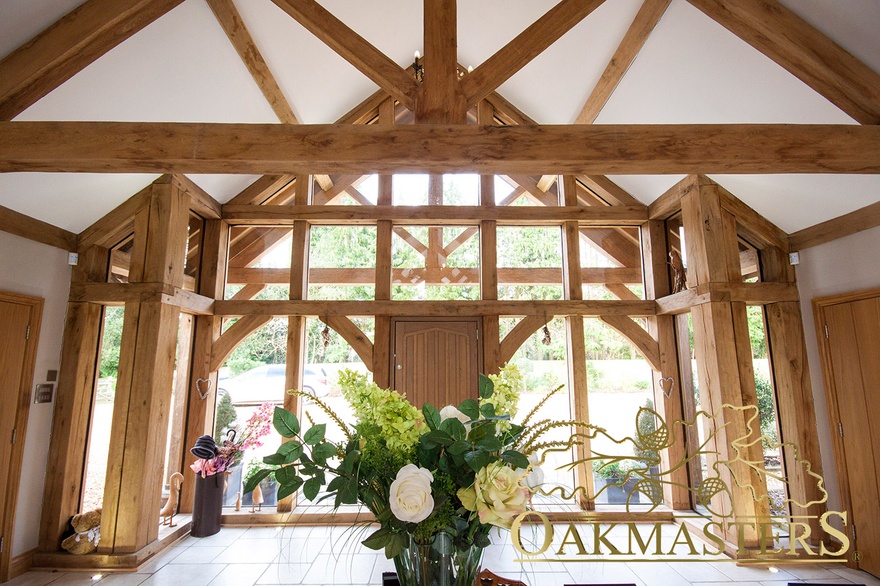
<point x="214" y="459"/>
<point x="455" y="472"/>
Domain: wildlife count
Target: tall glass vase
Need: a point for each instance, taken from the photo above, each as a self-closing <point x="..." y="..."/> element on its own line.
<point x="438" y="563"/>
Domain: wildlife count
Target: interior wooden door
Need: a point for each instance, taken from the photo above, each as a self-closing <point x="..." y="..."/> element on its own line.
<point x="436" y="361"/>
<point x="852" y="341"/>
<point x="15" y="318"/>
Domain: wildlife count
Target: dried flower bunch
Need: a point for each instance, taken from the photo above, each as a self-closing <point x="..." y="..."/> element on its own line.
<point x="459" y="470"/>
<point x="214" y="459"/>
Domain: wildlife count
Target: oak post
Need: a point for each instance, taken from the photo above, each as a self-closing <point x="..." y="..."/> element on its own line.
<point x="662" y="329"/>
<point x="574" y="325"/>
<point x="200" y="411"/>
<point x="73" y="400"/>
<point x="382" y="323"/>
<point x="794" y="395"/>
<point x="296" y="324"/>
<point x="724" y="357"/>
<point x="133" y="487"/>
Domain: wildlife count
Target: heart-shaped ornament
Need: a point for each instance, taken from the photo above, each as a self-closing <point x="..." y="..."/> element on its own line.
<point x="207" y="383"/>
<point x="666" y="385"/>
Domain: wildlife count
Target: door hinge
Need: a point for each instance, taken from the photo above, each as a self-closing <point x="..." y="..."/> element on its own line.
<point x="854" y="534"/>
<point x="27" y="334"/>
<point x="826" y="332"/>
<point x="13" y="436"/>
<point x="1" y="544"/>
<point x="840" y="430"/>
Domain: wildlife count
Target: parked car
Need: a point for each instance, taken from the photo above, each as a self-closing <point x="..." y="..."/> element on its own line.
<point x="265" y="384"/>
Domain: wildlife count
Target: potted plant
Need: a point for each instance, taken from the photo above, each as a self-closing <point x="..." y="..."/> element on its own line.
<point x="268" y="485"/>
<point x="616" y="479"/>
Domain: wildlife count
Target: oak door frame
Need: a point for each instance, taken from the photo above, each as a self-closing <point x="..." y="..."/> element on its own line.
<point x="22" y="411"/>
<point x="819" y="305"/>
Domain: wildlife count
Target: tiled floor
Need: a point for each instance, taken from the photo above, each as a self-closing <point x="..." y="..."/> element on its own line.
<point x="325" y="555"/>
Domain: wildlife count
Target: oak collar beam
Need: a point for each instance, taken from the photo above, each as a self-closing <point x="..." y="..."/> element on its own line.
<point x="140" y="147"/>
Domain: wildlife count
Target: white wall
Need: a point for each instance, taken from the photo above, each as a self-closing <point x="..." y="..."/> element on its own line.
<point x="38" y="270"/>
<point x="841" y="266"/>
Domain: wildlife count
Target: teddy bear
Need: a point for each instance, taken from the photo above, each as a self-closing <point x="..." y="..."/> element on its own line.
<point x="87" y="527"/>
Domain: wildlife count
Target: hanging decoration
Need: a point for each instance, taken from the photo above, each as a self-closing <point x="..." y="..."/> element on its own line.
<point x="325" y="334"/>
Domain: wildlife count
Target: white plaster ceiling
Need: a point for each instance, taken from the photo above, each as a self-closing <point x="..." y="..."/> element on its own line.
<point x="691" y="70"/>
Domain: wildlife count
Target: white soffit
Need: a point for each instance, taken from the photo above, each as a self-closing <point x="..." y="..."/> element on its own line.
<point x="223" y="187"/>
<point x="554" y="86"/>
<point x="852" y="24"/>
<point x="180" y="68"/>
<point x="392" y="26"/>
<point x="795" y="202"/>
<point x="73" y="201"/>
<point x="22" y="20"/>
<point x="319" y="84"/>
<point x="646" y="188"/>
<point x="694" y="71"/>
<point x="484" y="26"/>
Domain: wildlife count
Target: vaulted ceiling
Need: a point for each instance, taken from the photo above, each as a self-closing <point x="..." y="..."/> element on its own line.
<point x="691" y="70"/>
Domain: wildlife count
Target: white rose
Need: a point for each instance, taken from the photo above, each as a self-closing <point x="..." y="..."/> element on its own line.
<point x="450" y="412"/>
<point x="410" y="496"/>
<point x="535" y="477"/>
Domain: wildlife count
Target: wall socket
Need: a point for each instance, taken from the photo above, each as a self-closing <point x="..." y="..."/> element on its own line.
<point x="794" y="258"/>
<point x="73" y="258"/>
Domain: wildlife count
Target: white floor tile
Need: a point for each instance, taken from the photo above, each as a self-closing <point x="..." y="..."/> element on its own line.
<point x="156" y="563"/>
<point x="699" y="572"/>
<point x="252" y="551"/>
<point x="346" y="569"/>
<point x="751" y="573"/>
<point x="199" y="555"/>
<point x="225" y="537"/>
<point x="239" y="575"/>
<point x="282" y="573"/>
<point x="856" y="576"/>
<point x="124" y="579"/>
<point x="184" y="575"/>
<point x="34" y="579"/>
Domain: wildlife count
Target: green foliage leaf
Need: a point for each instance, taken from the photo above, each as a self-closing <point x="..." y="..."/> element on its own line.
<point x="292" y="450"/>
<point x="278" y="459"/>
<point x="487" y="387"/>
<point x="349" y="492"/>
<point x="481" y="430"/>
<point x="378" y="539"/>
<point x="437" y="437"/>
<point x="286" y="475"/>
<point x="285" y="490"/>
<point x="395" y="545"/>
<point x="490" y="444"/>
<point x="285" y="422"/>
<point x="477" y="460"/>
<point x="311" y="488"/>
<point x="432" y="416"/>
<point x="255" y="479"/>
<point x="487" y="410"/>
<point x="470" y="407"/>
<point x="482" y="539"/>
<point x="459" y="447"/>
<point x="316" y="434"/>
<point x="454" y="428"/>
<point x="322" y="451"/>
<point x="515" y="459"/>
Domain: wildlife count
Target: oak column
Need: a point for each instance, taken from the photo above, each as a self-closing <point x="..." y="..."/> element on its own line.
<point x="724" y="357"/>
<point x="200" y="411"/>
<point x="70" y="423"/>
<point x="574" y="324"/>
<point x="296" y="324"/>
<point x="133" y="487"/>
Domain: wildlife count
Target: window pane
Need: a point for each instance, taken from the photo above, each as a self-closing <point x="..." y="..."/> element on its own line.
<point x="529" y="263"/>
<point x="102" y="409"/>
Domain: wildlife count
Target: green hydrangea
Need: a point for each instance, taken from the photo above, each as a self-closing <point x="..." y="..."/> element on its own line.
<point x="509" y="385"/>
<point x="400" y="423"/>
